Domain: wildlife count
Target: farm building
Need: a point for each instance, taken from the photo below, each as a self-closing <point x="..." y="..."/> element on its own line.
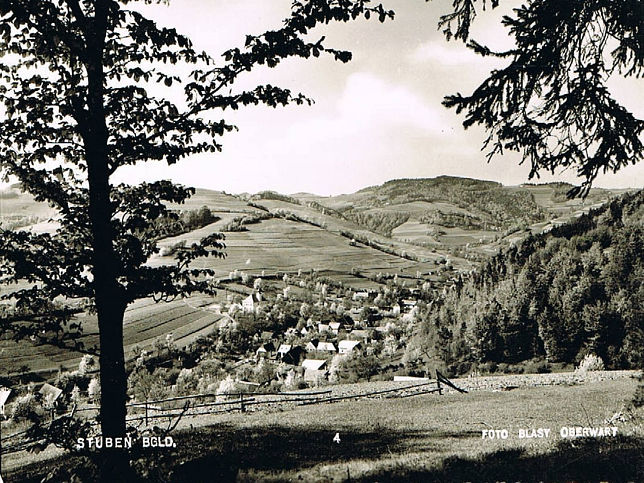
<point x="348" y="346"/>
<point x="290" y="354"/>
<point x="315" y="370"/>
<point x="265" y="350"/>
<point x="335" y="327"/>
<point x="50" y="393"/>
<point x="326" y="347"/>
<point x="283" y="349"/>
<point x="359" y="334"/>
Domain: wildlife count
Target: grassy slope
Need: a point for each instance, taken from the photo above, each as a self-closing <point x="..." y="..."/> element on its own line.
<point x="336" y="225"/>
<point x="423" y="438"/>
<point x="15" y="203"/>
<point x="283" y="245"/>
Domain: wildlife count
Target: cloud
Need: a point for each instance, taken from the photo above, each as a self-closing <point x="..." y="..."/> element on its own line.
<point x="369" y="102"/>
<point x="450" y="55"/>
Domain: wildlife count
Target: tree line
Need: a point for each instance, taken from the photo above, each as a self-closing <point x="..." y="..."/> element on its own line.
<point x="556" y="296"/>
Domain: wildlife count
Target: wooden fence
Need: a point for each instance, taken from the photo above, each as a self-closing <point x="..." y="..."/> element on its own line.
<point x="198" y="404"/>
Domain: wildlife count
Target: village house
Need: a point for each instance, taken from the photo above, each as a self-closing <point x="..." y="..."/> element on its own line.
<point x="326" y="347"/>
<point x="50" y="393"/>
<point x="348" y="346"/>
<point x="335" y="327"/>
<point x="360" y="296"/>
<point x="360" y="334"/>
<point x="315" y="370"/>
<point x="265" y="350"/>
<point x="289" y="354"/>
<point x="283" y="349"/>
<point x="409" y="303"/>
<point x="291" y="332"/>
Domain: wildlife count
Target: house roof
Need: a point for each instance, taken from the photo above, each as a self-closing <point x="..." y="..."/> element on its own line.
<point x="348" y="344"/>
<point x="268" y="347"/>
<point x="284" y="348"/>
<point x="314" y="364"/>
<point x="47" y="390"/>
<point x="326" y="346"/>
<point x="360" y="333"/>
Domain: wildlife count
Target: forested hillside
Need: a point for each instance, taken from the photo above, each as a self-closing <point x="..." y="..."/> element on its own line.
<point x="576" y="290"/>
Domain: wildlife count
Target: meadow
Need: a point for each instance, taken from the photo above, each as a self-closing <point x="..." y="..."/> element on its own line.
<point x="420" y="438"/>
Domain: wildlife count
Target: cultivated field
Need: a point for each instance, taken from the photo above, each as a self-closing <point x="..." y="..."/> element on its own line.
<point x="283" y="245"/>
<point x="145" y="323"/>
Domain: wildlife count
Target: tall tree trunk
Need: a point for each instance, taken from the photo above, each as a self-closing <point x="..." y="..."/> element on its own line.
<point x="110" y="301"/>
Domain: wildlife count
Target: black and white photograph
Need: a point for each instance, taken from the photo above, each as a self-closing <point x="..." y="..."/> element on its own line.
<point x="321" y="241"/>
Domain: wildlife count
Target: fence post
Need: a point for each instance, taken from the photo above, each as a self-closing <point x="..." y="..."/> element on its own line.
<point x="438" y="384"/>
<point x="241" y="402"/>
<point x="146" y="412"/>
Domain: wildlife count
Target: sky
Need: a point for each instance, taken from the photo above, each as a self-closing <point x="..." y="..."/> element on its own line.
<point x="377" y="118"/>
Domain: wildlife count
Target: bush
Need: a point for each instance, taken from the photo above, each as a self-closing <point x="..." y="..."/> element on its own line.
<point x="94" y="390"/>
<point x="590" y="362"/>
<point x="173" y="249"/>
<point x="27" y="408"/>
<point x="145" y="386"/>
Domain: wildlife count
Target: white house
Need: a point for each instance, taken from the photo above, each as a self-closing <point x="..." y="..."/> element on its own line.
<point x="314" y="369"/>
<point x="326" y="347"/>
<point x="347" y="346"/>
<point x="283" y="349"/>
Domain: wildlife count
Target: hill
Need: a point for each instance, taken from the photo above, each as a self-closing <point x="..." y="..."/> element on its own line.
<point x="463" y="216"/>
<point x="557" y="296"/>
<point x="342" y="238"/>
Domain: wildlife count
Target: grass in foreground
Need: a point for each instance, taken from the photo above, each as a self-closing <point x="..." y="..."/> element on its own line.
<point x="423" y="438"/>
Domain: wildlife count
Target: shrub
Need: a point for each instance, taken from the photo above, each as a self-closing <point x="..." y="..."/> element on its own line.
<point x="68" y="380"/>
<point x="94" y="390"/>
<point x="86" y="364"/>
<point x="145" y="386"/>
<point x="27" y="408"/>
<point x="227" y="386"/>
<point x="590" y="362"/>
<point x="173" y="249"/>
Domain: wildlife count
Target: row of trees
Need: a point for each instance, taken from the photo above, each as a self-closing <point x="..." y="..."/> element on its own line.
<point x="559" y="296"/>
